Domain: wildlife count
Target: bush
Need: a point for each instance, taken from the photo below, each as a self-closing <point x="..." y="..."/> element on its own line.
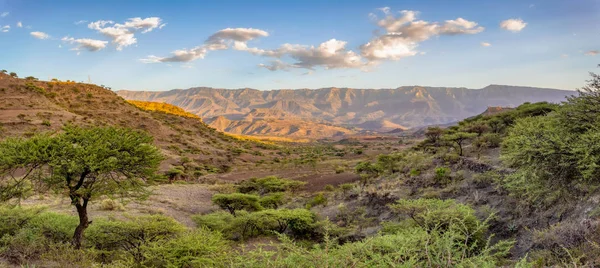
<point x="436" y="215"/>
<point x="220" y="221"/>
<point x="268" y="184"/>
<point x="131" y="235"/>
<point x="236" y="201"/>
<point x="110" y="204"/>
<point x="319" y="199"/>
<point x="272" y="200"/>
<point x="200" y="248"/>
<point x="442" y="175"/>
<point x="13" y="219"/>
<point x="339" y="170"/>
<point x="298" y="222"/>
<point x="57" y="228"/>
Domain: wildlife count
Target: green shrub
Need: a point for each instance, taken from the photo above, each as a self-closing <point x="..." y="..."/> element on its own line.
<point x="436" y="215"/>
<point x="13" y="219"/>
<point x="200" y="248"/>
<point x="442" y="175"/>
<point x="25" y="246"/>
<point x="236" y="201"/>
<point x="268" y="184"/>
<point x="131" y="235"/>
<point x="272" y="200"/>
<point x="67" y="256"/>
<point x="220" y="221"/>
<point x="319" y="199"/>
<point x="339" y="170"/>
<point x="57" y="228"/>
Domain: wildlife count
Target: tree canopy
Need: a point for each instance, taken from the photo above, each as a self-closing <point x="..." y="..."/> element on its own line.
<point x="82" y="163"/>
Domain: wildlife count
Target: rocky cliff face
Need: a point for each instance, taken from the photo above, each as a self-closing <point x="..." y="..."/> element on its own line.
<point x="371" y="109"/>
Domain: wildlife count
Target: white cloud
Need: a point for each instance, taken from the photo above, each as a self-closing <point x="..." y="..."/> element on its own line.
<point x="19" y="24"/>
<point x="80" y="22"/>
<point x="592" y="53"/>
<point x="331" y="54"/>
<point x="85" y="43"/>
<point x="401" y="38"/>
<point x="486" y="44"/>
<point x="40" y="35"/>
<point x="513" y="25"/>
<point x="404" y="33"/>
<point x="5" y="28"/>
<point x="221" y="40"/>
<point x="4" y="14"/>
<point x="123" y="35"/>
<point x="564" y="56"/>
<point x="276" y="65"/>
<point x="235" y="34"/>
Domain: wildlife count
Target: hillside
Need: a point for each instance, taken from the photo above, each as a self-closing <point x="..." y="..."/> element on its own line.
<point x="28" y="107"/>
<point x="368" y="109"/>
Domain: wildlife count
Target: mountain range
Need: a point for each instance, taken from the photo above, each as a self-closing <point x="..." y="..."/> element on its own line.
<point x="334" y="111"/>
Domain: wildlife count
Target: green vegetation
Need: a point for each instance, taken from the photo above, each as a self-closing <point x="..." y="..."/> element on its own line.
<point x="462" y="196"/>
<point x="83" y="163"/>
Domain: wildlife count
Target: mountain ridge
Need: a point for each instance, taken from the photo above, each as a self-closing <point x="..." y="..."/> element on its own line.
<point x="354" y="108"/>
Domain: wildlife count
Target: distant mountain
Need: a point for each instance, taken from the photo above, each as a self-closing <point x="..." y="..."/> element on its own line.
<point x="367" y="109"/>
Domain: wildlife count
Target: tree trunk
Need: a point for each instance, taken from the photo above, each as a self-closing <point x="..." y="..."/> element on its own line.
<point x="83" y="223"/>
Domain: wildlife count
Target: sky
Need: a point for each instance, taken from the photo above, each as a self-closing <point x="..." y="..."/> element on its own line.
<point x="163" y="45"/>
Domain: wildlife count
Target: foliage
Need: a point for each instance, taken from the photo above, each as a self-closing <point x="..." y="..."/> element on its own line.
<point x="557" y="155"/>
<point x="132" y="235"/>
<point x="317" y="200"/>
<point x="83" y="163"/>
<point x="436" y="215"/>
<point x="162" y="107"/>
<point x="198" y="248"/>
<point x="269" y="184"/>
<point x="442" y="175"/>
<point x="111" y="204"/>
<point x="272" y="200"/>
<point x="459" y="138"/>
<point x="236" y="201"/>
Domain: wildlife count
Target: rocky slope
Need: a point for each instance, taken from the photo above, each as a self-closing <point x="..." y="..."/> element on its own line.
<point x="29" y="107"/>
<point x="369" y="109"/>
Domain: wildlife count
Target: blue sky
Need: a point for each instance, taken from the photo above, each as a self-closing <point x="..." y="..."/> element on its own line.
<point x="360" y="44"/>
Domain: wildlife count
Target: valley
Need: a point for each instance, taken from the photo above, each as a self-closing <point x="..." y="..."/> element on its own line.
<point x="337" y="112"/>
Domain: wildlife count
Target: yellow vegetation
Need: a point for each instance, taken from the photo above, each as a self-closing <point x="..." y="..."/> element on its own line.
<point x="162" y="107"/>
<point x="172" y="109"/>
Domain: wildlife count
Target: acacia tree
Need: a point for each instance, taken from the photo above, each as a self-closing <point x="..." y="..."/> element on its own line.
<point x="84" y="163"/>
<point x="459" y="138"/>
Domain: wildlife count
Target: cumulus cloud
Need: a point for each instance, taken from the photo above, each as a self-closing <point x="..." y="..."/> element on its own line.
<point x="221" y="40"/>
<point x="235" y="34"/>
<point x="19" y="24"/>
<point x="123" y="35"/>
<point x="40" y="35"/>
<point x="592" y="53"/>
<point x="402" y="36"/>
<point x="331" y="54"/>
<point x="276" y="65"/>
<point x="513" y="25"/>
<point x="4" y="14"/>
<point x="5" y="29"/>
<point x="85" y="43"/>
<point x="405" y="32"/>
<point x="486" y="44"/>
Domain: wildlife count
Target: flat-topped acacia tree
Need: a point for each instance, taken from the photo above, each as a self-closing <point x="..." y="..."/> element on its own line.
<point x="83" y="163"/>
